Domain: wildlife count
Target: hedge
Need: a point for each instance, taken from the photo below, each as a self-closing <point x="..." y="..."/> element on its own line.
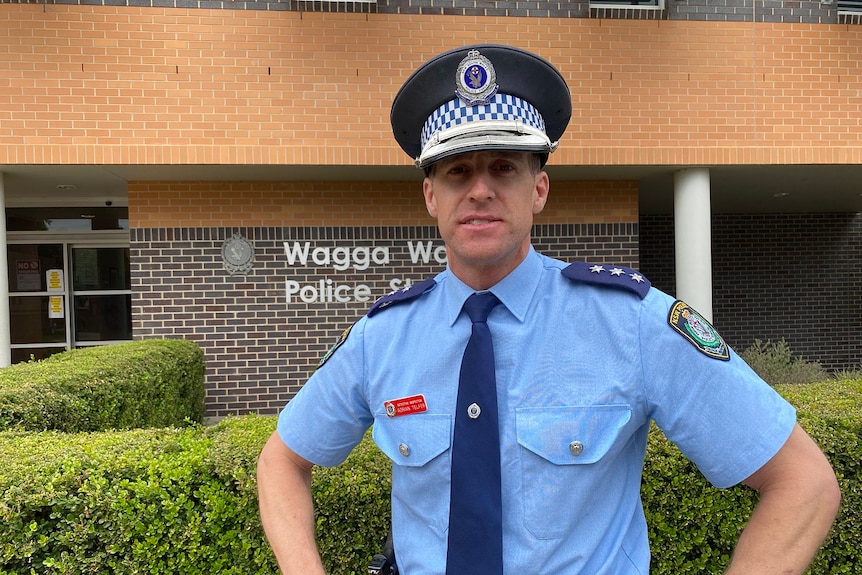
<point x="184" y="501"/>
<point x="148" y="383"/>
<point x="152" y="501"/>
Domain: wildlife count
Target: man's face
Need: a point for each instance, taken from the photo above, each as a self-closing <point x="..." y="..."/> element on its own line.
<point x="484" y="203"/>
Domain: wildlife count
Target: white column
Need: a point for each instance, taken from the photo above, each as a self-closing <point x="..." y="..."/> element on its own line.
<point x="5" y="339"/>
<point x="692" y="219"/>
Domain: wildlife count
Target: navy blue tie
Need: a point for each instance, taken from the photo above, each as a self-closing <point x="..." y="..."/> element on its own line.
<point x="475" y="509"/>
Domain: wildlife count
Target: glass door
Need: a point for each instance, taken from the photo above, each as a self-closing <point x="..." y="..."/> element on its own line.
<point x="102" y="295"/>
<point x="37" y="302"/>
<point x="69" y="278"/>
<point x="65" y="295"/>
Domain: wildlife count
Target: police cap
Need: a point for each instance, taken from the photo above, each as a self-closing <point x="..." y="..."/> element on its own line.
<point x="481" y="97"/>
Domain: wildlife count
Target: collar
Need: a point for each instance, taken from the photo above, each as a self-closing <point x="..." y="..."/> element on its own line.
<point x="515" y="291"/>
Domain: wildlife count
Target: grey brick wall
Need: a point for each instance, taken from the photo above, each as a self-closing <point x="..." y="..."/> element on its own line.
<point x="791" y="276"/>
<point x="259" y="347"/>
<point x="795" y="11"/>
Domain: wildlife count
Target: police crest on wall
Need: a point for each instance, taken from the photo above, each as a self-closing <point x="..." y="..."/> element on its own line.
<point x="237" y="255"/>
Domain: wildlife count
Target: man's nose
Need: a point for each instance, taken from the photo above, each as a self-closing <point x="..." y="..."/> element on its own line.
<point x="481" y="187"/>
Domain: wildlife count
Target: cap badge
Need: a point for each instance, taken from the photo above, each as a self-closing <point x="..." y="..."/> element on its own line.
<point x="475" y="79"/>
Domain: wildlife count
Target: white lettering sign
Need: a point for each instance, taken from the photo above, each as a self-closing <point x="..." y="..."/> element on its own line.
<point x="423" y="252"/>
<point x="341" y="258"/>
<point x="326" y="291"/>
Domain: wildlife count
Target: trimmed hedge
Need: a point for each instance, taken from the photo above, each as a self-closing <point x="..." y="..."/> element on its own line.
<point x="184" y="501"/>
<point x="694" y="527"/>
<point x="148" y="383"/>
<point x="152" y="501"/>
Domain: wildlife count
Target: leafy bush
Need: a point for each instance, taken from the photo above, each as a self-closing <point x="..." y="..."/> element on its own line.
<point x="352" y="509"/>
<point x="693" y="526"/>
<point x="153" y="501"/>
<point x="831" y="412"/>
<point x="185" y="501"/>
<point x="149" y="383"/>
<point x="776" y="364"/>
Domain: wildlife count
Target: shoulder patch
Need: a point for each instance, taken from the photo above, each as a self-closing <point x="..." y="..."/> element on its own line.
<point x="341" y="339"/>
<point x="699" y="332"/>
<point x="402" y="295"/>
<point x="613" y="276"/>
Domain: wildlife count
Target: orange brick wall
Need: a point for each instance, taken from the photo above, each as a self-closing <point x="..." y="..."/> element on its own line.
<point x="207" y="204"/>
<point x="93" y="84"/>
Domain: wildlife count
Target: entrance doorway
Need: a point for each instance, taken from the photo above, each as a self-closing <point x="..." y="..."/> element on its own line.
<point x="69" y="281"/>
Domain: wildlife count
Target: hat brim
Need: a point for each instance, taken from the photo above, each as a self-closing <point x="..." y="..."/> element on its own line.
<point x="484" y="141"/>
<point x="519" y="73"/>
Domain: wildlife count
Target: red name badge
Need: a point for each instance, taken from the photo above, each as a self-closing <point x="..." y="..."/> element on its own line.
<point x="405" y="405"/>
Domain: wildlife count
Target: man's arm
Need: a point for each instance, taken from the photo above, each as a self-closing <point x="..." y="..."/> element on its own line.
<point x="286" y="508"/>
<point x="799" y="498"/>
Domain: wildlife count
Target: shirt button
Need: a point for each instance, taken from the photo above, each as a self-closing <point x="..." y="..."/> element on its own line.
<point x="576" y="448"/>
<point x="404" y="449"/>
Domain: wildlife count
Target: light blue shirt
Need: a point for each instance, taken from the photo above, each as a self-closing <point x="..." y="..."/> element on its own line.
<point x="582" y="370"/>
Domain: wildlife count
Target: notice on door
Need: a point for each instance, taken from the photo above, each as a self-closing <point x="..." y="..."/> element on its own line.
<point x="55" y="307"/>
<point x="29" y="273"/>
<point x="55" y="280"/>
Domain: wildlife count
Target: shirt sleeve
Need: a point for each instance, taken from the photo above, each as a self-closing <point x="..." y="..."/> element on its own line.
<point x="719" y="412"/>
<point x="330" y="415"/>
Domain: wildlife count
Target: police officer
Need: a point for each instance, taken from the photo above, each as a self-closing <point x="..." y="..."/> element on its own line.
<point x="583" y="356"/>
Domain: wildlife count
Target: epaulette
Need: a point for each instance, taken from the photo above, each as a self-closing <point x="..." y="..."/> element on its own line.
<point x="614" y="276"/>
<point x="402" y="295"/>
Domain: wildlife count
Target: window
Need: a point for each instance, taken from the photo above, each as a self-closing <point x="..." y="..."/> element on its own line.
<point x="850" y="6"/>
<point x="628" y="4"/>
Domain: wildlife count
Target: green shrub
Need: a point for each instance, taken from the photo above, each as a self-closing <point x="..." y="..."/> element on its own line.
<point x="776" y="364"/>
<point x="832" y="414"/>
<point x="149" y="383"/>
<point x="184" y="501"/>
<point x="153" y="501"/>
<point x="352" y="509"/>
<point x="693" y="526"/>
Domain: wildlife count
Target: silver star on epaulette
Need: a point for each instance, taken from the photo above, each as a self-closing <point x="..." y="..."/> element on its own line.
<point x="597" y="269"/>
<point x="617" y="272"/>
<point x="637" y="277"/>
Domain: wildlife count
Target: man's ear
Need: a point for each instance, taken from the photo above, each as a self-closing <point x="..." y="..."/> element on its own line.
<point x="543" y="186"/>
<point x="430" y="199"/>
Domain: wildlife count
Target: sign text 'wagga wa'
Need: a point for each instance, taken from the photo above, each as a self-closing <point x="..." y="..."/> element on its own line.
<point x="340" y="259"/>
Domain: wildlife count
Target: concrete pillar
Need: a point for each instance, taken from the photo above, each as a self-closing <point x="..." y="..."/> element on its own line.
<point x="692" y="218"/>
<point x="5" y="338"/>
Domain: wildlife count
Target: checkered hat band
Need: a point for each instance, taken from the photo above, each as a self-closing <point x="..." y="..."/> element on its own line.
<point x="501" y="107"/>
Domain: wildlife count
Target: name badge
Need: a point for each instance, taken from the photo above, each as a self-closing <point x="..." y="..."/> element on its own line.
<point x="405" y="405"/>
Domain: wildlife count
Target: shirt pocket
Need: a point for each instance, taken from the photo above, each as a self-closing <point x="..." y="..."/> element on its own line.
<point x="418" y="446"/>
<point x="565" y="454"/>
<point x="413" y="440"/>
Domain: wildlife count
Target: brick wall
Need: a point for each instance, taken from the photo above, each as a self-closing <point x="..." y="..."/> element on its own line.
<point x="260" y="346"/>
<point x="797" y="11"/>
<point x="399" y="203"/>
<point x="791" y="276"/>
<point x="156" y="86"/>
